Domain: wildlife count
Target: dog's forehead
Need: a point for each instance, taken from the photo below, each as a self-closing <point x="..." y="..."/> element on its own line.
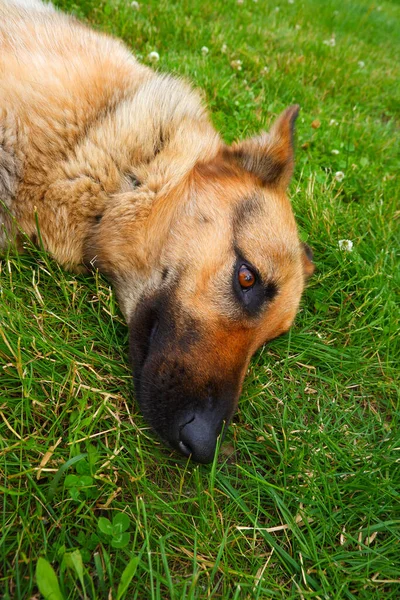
<point x="239" y="202"/>
<point x="264" y="229"/>
<point x="265" y="207"/>
<point x="257" y="226"/>
<point x="226" y="216"/>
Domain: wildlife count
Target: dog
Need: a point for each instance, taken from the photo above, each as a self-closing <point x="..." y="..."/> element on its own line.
<point x="112" y="166"/>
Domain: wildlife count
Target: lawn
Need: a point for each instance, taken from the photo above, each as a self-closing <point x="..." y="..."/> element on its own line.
<point x="304" y="498"/>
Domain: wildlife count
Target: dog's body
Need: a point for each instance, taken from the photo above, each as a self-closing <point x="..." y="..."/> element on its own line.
<point x="122" y="170"/>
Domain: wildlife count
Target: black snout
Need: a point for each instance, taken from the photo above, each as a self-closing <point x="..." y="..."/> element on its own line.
<point x="198" y="434"/>
<point x="188" y="408"/>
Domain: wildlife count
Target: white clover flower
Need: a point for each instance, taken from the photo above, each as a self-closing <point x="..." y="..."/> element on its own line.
<point x="204" y="50"/>
<point x="333" y="122"/>
<point x="236" y="64"/>
<point x="153" y="56"/>
<point x="290" y="1"/>
<point x="240" y="1"/>
<point x="135" y="5"/>
<point x="339" y="175"/>
<point x="345" y="245"/>
<point x="224" y="48"/>
<point x="265" y="70"/>
<point x="361" y="64"/>
<point x="335" y="151"/>
<point x="331" y="42"/>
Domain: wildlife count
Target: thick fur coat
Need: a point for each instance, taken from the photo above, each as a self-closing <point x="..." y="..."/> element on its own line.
<point x="118" y="168"/>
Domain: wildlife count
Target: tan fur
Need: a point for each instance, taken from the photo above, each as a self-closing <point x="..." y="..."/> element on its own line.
<point x="87" y="125"/>
<point x="123" y="171"/>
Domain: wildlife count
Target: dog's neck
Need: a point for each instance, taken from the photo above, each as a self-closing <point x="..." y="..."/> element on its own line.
<point x="145" y="146"/>
<point x="91" y="128"/>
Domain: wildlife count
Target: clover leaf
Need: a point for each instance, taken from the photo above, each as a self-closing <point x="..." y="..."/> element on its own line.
<point x="116" y="529"/>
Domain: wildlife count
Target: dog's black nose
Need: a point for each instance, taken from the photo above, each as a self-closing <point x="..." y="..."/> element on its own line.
<point x="198" y="437"/>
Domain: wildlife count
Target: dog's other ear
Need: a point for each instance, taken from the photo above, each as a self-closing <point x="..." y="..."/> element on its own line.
<point x="308" y="261"/>
<point x="270" y="156"/>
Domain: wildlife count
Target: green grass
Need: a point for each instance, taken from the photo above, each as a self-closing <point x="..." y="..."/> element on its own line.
<point x="304" y="500"/>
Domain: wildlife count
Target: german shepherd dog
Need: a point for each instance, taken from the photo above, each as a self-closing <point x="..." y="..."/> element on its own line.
<point x="121" y="170"/>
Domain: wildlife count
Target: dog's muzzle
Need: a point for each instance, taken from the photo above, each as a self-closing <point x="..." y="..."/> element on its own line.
<point x="180" y="390"/>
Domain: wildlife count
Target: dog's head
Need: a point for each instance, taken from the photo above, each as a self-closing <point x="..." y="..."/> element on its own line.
<point x="227" y="277"/>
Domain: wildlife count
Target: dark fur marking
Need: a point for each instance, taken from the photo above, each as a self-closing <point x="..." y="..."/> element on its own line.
<point x="134" y="181"/>
<point x="308" y="252"/>
<point x="270" y="290"/>
<point x="247" y="209"/>
<point x="262" y="165"/>
<point x="160" y="142"/>
<point x="202" y="219"/>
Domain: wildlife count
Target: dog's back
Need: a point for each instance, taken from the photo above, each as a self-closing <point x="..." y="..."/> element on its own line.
<point x="56" y="77"/>
<point x="74" y="116"/>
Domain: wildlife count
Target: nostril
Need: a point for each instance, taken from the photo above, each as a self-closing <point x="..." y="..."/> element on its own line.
<point x="184" y="447"/>
<point x="186" y="451"/>
<point x="198" y="438"/>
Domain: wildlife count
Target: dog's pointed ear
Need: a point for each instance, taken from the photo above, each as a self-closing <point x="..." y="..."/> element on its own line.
<point x="270" y="156"/>
<point x="308" y="261"/>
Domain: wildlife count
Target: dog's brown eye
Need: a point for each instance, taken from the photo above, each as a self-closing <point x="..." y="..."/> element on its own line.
<point x="246" y="277"/>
